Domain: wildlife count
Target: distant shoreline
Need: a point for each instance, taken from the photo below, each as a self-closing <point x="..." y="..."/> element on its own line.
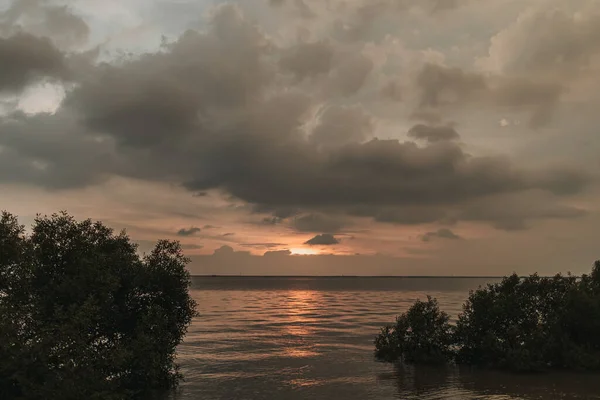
<point x="349" y="276"/>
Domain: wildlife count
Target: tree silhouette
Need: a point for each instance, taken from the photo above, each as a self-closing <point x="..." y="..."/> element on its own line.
<point x="82" y="315"/>
<point x="519" y="324"/>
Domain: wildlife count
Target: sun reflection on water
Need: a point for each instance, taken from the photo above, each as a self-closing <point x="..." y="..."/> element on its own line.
<point x="300" y="308"/>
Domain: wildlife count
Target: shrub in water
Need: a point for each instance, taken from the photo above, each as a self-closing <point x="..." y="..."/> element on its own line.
<point x="422" y="335"/>
<point x="520" y="324"/>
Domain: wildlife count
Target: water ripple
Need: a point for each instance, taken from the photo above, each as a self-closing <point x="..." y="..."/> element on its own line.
<point x="309" y="338"/>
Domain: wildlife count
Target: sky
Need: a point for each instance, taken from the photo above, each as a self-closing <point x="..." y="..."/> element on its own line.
<point x="312" y="137"/>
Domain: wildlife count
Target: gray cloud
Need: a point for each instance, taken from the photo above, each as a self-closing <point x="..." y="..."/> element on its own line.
<point x="50" y="151"/>
<point x="440" y="86"/>
<point x="318" y="223"/>
<point x="411" y="215"/>
<point x="188" y="231"/>
<point x="358" y="19"/>
<point x="510" y="212"/>
<point x="42" y="18"/>
<point x="191" y="246"/>
<point x="427" y="115"/>
<point x="351" y="75"/>
<point x="341" y="125"/>
<point x="308" y="59"/>
<point x="433" y="133"/>
<point x="224" y="251"/>
<point x="271" y="221"/>
<point x="443" y="233"/>
<point x="325" y="239"/>
<point x="212" y="110"/>
<point x="392" y="90"/>
<point x="547" y="40"/>
<point x="26" y="59"/>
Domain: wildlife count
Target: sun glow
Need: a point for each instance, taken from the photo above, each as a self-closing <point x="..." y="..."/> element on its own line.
<point x="302" y="251"/>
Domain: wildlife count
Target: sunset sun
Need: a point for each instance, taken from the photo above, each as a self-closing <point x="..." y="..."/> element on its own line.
<point x="304" y="251"/>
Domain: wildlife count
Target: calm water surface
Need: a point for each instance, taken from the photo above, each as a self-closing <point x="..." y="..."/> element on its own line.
<point x="312" y="338"/>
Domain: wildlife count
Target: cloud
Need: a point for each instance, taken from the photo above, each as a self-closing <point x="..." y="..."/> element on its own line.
<point x="440" y="86"/>
<point x="217" y="110"/>
<point x="26" y="59"/>
<point x="433" y="133"/>
<point x="308" y="59"/>
<point x="277" y="253"/>
<point x="317" y="223"/>
<point x="191" y="246"/>
<point x="188" y="231"/>
<point x="443" y="233"/>
<point x="227" y="252"/>
<point x="324" y="239"/>
<point x="43" y="19"/>
<point x="267" y="245"/>
<point x="511" y="213"/>
<point x="223" y="250"/>
<point x="546" y="40"/>
<point x="392" y="91"/>
<point x="341" y="125"/>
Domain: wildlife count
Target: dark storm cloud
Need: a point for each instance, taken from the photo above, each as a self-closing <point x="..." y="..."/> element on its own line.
<point x="404" y="215"/>
<point x="317" y="223"/>
<point x="26" y="59"/>
<point x="379" y="172"/>
<point x="160" y="97"/>
<point x="209" y="111"/>
<point x="433" y="133"/>
<point x="271" y="221"/>
<point x="188" y="231"/>
<point x="324" y="239"/>
<point x="279" y="213"/>
<point x="443" y="233"/>
<point x="511" y="212"/>
<point x="51" y="151"/>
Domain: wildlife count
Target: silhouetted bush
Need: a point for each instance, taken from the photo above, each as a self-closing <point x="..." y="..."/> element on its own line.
<point x="82" y="316"/>
<point x="513" y="324"/>
<point x="520" y="324"/>
<point x="422" y="335"/>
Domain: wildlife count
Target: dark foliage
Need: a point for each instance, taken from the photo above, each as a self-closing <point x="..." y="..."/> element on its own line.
<point x="422" y="335"/>
<point x="82" y="316"/>
<point x="520" y="324"/>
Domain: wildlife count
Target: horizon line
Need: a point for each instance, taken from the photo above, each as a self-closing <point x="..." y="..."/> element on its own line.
<point x="344" y="276"/>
